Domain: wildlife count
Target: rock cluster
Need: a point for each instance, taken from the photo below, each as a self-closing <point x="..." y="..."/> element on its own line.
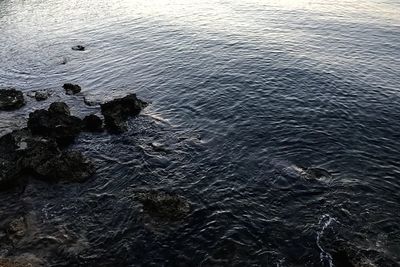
<point x="40" y="149"/>
<point x="22" y="152"/>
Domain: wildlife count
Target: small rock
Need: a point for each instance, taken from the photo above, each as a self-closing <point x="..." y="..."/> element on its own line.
<point x="11" y="99"/>
<point x="71" y="89"/>
<point x="78" y="48"/>
<point x="41" y="95"/>
<point x="117" y="111"/>
<point x="93" y="123"/>
<point x="164" y="205"/>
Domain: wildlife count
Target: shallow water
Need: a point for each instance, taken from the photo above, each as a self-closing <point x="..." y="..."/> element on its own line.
<point x="243" y="94"/>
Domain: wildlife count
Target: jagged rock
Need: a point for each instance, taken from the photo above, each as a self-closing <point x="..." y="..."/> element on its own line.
<point x="78" y="48"/>
<point x="69" y="166"/>
<point x="23" y="153"/>
<point x="55" y="123"/>
<point x="164" y="205"/>
<point x="117" y="111"/>
<point x="71" y="89"/>
<point x="11" y="99"/>
<point x="93" y="123"/>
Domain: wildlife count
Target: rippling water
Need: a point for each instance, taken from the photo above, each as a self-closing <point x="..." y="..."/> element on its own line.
<point x="243" y="93"/>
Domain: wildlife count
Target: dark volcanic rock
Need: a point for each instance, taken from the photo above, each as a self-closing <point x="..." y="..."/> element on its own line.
<point x="10" y="167"/>
<point x="23" y="153"/>
<point x="71" y="89"/>
<point x="164" y="206"/>
<point x="93" y="123"/>
<point x="59" y="108"/>
<point x="69" y="166"/>
<point x="78" y="48"/>
<point x="41" y="95"/>
<point x="117" y="111"/>
<point x="55" y="123"/>
<point x="11" y="99"/>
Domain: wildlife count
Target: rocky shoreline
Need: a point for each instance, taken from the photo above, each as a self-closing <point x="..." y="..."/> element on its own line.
<point x="41" y="150"/>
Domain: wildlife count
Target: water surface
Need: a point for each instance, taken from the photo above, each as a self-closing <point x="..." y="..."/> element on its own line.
<point x="243" y="93"/>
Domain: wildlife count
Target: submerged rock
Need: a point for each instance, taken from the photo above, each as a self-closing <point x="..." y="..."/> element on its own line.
<point x="164" y="205"/>
<point x="89" y="102"/>
<point x="16" y="228"/>
<point x="24" y="260"/>
<point x="93" y="123"/>
<point x="72" y="89"/>
<point x="11" y="99"/>
<point x="55" y="123"/>
<point x="78" y="48"/>
<point x="117" y="111"/>
<point x="69" y="166"/>
<point x="316" y="173"/>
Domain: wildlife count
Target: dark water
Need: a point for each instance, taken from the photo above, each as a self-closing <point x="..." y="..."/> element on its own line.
<point x="243" y="93"/>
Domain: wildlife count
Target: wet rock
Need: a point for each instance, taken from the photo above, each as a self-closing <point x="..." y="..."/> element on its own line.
<point x="71" y="89"/>
<point x="55" y="123"/>
<point x="69" y="166"/>
<point x="11" y="99"/>
<point x="117" y="111"/>
<point x="78" y="48"/>
<point x="37" y="151"/>
<point x="164" y="205"/>
<point x="10" y="169"/>
<point x="41" y="95"/>
<point x="317" y="173"/>
<point x="22" y="153"/>
<point x="59" y="108"/>
<point x="93" y="123"/>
